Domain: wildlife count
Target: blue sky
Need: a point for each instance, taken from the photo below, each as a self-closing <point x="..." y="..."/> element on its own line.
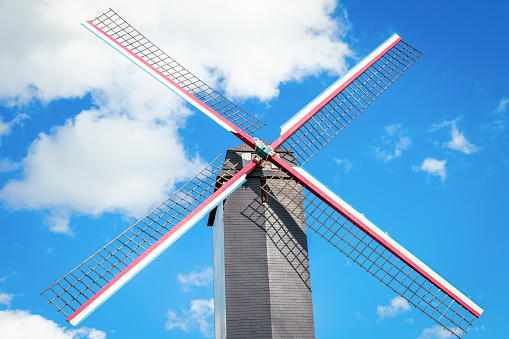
<point x="89" y="143"/>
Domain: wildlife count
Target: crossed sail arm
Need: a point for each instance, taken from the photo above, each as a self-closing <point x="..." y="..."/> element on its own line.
<point x="86" y="287"/>
<point x="82" y="290"/>
<point x="322" y="119"/>
<point x="372" y="249"/>
<point x="119" y="34"/>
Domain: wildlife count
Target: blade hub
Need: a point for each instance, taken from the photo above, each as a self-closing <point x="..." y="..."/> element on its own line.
<point x="263" y="151"/>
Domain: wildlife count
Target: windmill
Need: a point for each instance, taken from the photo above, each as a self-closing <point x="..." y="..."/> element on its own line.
<point x="281" y="193"/>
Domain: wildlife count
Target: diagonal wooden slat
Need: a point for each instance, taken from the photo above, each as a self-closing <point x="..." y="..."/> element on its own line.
<point x="372" y="249"/>
<point x="98" y="277"/>
<point x="317" y="123"/>
<point x="118" y="33"/>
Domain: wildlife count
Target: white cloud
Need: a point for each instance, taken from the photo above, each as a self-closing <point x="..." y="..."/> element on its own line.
<point x="435" y="332"/>
<point x="7" y="166"/>
<point x="6" y="298"/>
<point x="88" y="333"/>
<point x="96" y="160"/>
<point x="433" y="167"/>
<point x="93" y="165"/>
<point x="395" y="142"/>
<point x="18" y="324"/>
<point x="496" y="126"/>
<point x="196" y="278"/>
<point x="6" y="127"/>
<point x="458" y="141"/>
<point x="58" y="222"/>
<point x="397" y="305"/>
<point x="52" y="56"/>
<point x="502" y="106"/>
<point x="347" y="165"/>
<point x="3" y="279"/>
<point x="196" y="317"/>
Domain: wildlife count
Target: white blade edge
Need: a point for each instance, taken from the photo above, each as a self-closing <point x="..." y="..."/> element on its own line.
<point x="389" y="240"/>
<point x="340" y="82"/>
<point x="153" y="252"/>
<point x="158" y="76"/>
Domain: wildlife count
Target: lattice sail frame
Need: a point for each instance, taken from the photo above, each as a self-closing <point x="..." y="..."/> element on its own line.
<point x="304" y="135"/>
<point x="330" y="112"/>
<point x="133" y="42"/>
<point x="72" y="292"/>
<point x="352" y="239"/>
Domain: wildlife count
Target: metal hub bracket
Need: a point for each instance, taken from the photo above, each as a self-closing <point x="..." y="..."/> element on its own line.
<point x="263" y="151"/>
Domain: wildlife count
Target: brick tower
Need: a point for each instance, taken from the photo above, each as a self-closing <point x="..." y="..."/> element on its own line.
<point x="262" y="287"/>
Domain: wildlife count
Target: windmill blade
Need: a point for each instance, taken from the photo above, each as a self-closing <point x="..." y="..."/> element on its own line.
<point x="119" y="34"/>
<point x="90" y="284"/>
<point x="371" y="248"/>
<point x="322" y="119"/>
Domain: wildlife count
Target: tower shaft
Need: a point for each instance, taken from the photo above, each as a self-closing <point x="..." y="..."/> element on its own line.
<point x="262" y="285"/>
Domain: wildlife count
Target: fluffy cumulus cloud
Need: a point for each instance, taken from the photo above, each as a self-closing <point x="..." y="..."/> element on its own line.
<point x="458" y="140"/>
<point x="96" y="161"/>
<point x="18" y="324"/>
<point x="433" y="167"/>
<point x="395" y="141"/>
<point x="250" y="48"/>
<point x="196" y="278"/>
<point x="94" y="164"/>
<point x="197" y="317"/>
<point x="397" y="305"/>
